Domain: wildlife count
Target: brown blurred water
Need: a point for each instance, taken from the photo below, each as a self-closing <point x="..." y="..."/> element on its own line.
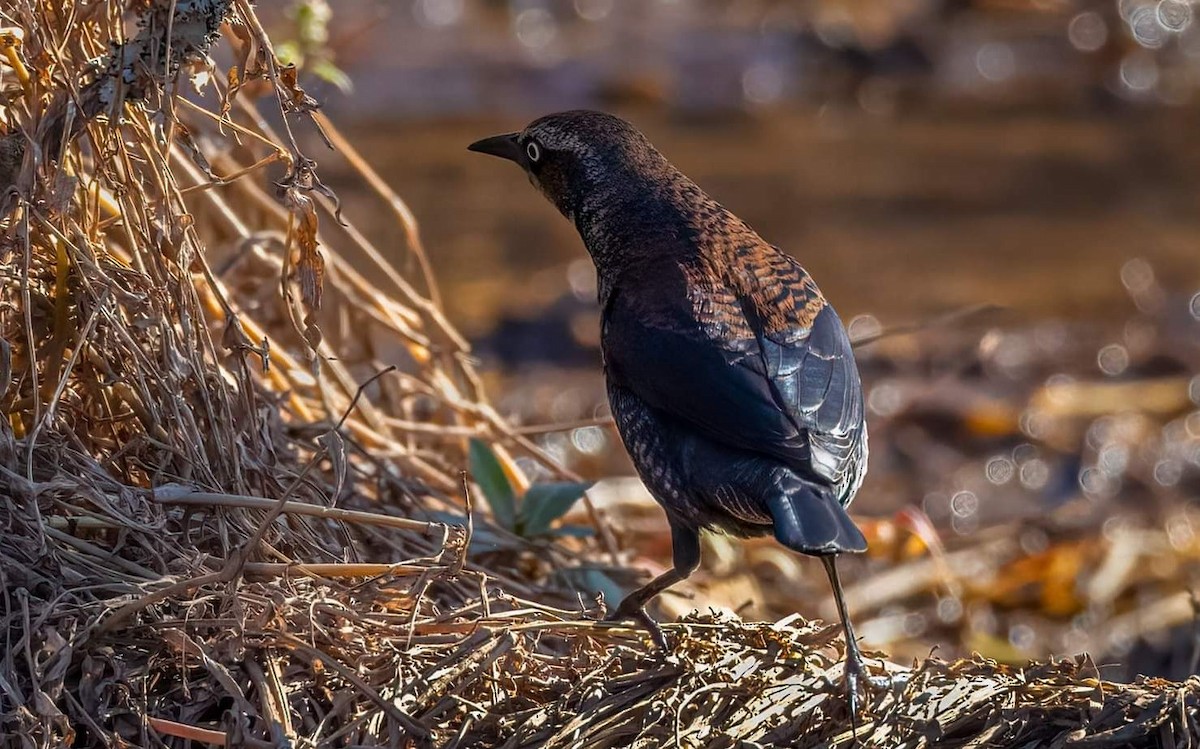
<point x="917" y="156"/>
<point x="901" y="218"/>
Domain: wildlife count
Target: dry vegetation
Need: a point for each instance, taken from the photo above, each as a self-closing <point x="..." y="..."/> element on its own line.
<point x="219" y="504"/>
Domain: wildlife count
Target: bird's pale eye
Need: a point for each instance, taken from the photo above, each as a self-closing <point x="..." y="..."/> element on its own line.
<point x="533" y="151"/>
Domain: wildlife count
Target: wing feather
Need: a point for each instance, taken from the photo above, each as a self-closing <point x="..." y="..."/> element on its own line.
<point x="759" y="363"/>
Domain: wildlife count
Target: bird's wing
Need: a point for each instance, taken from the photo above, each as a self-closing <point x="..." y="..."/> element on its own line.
<point x="763" y="364"/>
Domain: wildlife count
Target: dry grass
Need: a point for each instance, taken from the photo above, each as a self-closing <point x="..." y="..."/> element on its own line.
<point x="219" y="497"/>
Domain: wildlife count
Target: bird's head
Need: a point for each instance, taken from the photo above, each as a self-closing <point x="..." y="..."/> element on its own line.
<point x="578" y="157"/>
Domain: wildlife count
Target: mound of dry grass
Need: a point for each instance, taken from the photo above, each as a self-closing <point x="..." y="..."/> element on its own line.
<point x="226" y="453"/>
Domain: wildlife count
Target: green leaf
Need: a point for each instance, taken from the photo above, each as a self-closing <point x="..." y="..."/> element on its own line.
<point x="575" y="531"/>
<point x="590" y="581"/>
<point x="545" y="503"/>
<point x="484" y="539"/>
<point x="327" y="71"/>
<point x="289" y="53"/>
<point x="489" y="475"/>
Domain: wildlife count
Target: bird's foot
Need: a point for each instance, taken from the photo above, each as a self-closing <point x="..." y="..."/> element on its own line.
<point x="639" y="614"/>
<point x="858" y="680"/>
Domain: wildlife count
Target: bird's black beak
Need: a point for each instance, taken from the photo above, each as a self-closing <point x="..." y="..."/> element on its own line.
<point x="505" y="146"/>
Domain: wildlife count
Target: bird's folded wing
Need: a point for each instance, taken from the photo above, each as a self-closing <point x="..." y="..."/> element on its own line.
<point x="792" y="393"/>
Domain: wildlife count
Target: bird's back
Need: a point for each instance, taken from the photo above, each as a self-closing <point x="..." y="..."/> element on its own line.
<point x="718" y="329"/>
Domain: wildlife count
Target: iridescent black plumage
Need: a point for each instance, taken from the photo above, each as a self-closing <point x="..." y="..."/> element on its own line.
<point x="731" y="380"/>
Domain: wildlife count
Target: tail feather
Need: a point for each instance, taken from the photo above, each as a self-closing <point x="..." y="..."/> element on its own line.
<point x="809" y="519"/>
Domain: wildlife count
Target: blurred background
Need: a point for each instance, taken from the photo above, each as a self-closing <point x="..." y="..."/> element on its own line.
<point x="1035" y="465"/>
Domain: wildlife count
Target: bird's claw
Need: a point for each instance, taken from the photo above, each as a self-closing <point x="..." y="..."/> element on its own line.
<point x="640" y="615"/>
<point x="857" y="679"/>
<point x="623" y="612"/>
<point x="853" y="679"/>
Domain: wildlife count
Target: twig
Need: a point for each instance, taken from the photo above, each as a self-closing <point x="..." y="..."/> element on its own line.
<point x="177" y="496"/>
<point x="188" y="732"/>
<point x="330" y="571"/>
<point x="563" y="426"/>
<point x="408" y="221"/>
<point x="396" y="714"/>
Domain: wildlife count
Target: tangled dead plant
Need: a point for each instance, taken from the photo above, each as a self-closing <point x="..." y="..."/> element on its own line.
<point x="227" y="456"/>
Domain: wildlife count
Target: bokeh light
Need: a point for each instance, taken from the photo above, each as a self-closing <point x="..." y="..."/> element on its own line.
<point x="1087" y="31"/>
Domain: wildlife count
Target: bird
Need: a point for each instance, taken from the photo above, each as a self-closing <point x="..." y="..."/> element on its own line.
<point x="730" y="377"/>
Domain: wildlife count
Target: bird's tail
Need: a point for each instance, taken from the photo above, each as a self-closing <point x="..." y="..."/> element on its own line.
<point x="809" y="519"/>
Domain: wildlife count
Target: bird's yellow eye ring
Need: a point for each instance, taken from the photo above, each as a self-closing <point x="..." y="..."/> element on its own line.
<point x="533" y="151"/>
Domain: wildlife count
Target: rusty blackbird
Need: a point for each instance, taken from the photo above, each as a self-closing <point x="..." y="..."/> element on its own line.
<point x="731" y="379"/>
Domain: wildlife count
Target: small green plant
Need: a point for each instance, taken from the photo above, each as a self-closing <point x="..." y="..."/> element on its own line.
<point x="530" y="515"/>
<point x="307" y="44"/>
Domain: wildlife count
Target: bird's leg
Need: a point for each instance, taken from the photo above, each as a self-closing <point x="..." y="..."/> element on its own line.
<point x="685" y="551"/>
<point x="856" y="673"/>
